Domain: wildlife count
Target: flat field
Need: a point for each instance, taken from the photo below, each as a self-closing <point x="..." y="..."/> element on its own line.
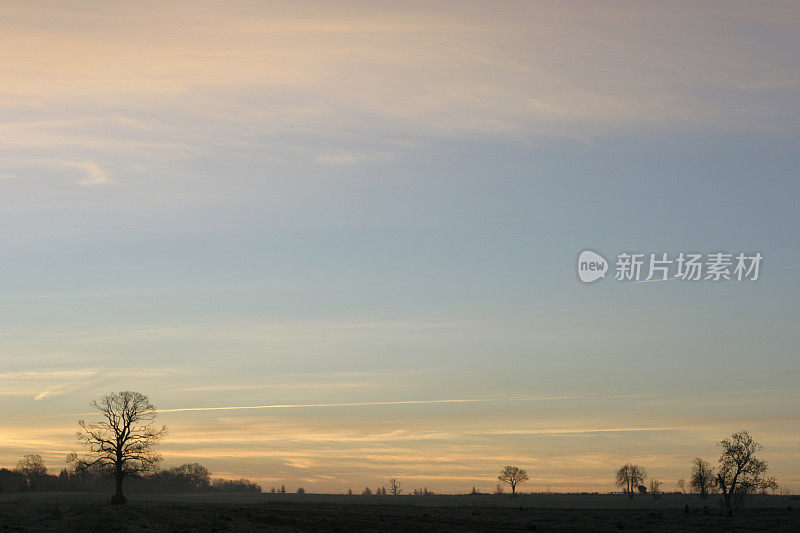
<point x="324" y="512"/>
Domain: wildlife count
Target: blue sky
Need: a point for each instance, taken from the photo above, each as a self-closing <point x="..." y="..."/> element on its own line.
<point x="346" y="208"/>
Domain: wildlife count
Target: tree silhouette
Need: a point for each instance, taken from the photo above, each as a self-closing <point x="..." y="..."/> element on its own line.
<point x="393" y="487"/>
<point x="740" y="471"/>
<point x="123" y="439"/>
<point x="655" y="488"/>
<point x="703" y="477"/>
<point x="193" y="477"/>
<point x="32" y="469"/>
<point x="629" y="477"/>
<point x="513" y="476"/>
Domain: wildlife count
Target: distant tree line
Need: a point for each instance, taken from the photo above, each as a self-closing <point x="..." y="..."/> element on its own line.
<point x="31" y="475"/>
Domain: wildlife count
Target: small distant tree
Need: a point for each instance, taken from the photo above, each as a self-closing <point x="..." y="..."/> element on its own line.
<point x="681" y="484"/>
<point x="301" y="490"/>
<point x="272" y="490"/>
<point x="474" y="490"/>
<point x="513" y="476"/>
<point x="629" y="477"/>
<point x="703" y="477"/>
<point x="655" y="488"/>
<point x="740" y="472"/>
<point x="349" y="492"/>
<point x="498" y="489"/>
<point x="123" y="439"/>
<point x="393" y="486"/>
<point x="283" y="489"/>
<point x="366" y="491"/>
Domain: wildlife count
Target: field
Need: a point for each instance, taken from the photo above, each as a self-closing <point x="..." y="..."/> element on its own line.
<point x="317" y="512"/>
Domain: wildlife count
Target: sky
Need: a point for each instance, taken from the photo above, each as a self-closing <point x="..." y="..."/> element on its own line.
<point x="336" y="242"/>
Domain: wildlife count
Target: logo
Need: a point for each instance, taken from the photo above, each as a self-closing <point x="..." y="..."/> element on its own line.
<point x="591" y="266"/>
<point x="664" y="266"/>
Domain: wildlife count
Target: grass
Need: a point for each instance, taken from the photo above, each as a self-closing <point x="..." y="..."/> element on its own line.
<point x="293" y="512"/>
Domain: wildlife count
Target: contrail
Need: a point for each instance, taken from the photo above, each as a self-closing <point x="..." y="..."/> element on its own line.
<point x="398" y="402"/>
<point x="364" y="404"/>
<point x="358" y="404"/>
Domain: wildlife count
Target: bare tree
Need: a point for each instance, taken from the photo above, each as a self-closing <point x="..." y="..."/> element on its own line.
<point x="393" y="487"/>
<point x="740" y="471"/>
<point x="702" y="479"/>
<point x="655" y="488"/>
<point x="513" y="476"/>
<point x="629" y="477"/>
<point x="123" y="439"/>
<point x="32" y="468"/>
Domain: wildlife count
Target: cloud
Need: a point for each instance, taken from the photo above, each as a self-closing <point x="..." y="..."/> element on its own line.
<point x="95" y="175"/>
<point x="48" y="383"/>
<point x="299" y="462"/>
<point x="405" y="70"/>
<point x="350" y="158"/>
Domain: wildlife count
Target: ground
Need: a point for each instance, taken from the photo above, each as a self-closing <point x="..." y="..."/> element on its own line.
<point x="291" y="512"/>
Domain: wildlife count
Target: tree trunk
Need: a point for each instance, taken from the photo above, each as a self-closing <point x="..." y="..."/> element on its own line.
<point x="728" y="503"/>
<point x="118" y="498"/>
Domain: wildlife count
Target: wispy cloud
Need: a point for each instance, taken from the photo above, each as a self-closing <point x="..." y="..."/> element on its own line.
<point x="95" y="175"/>
<point x="344" y="158"/>
<point x="429" y="69"/>
<point x="46" y="384"/>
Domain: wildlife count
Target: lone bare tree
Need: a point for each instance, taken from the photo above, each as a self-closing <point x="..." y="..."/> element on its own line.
<point x="393" y="486"/>
<point x="703" y="477"/>
<point x="629" y="477"/>
<point x="123" y="439"/>
<point x="513" y="476"/>
<point x="740" y="471"/>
